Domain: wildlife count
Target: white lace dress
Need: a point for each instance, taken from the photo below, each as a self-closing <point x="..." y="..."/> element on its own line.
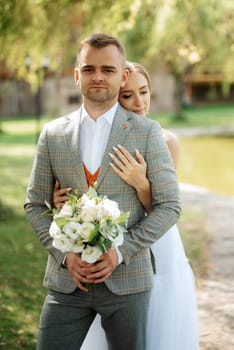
<point x="172" y="316"/>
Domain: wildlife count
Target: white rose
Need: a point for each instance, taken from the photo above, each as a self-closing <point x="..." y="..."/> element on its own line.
<point x="108" y="208"/>
<point x="72" y="229"/>
<point x="85" y="201"/>
<point x="54" y="230"/>
<point x="66" y="211"/>
<point x="62" y="243"/>
<point x="91" y="254"/>
<point x="86" y="228"/>
<point x="88" y="209"/>
<point x="88" y="214"/>
<point x="106" y="230"/>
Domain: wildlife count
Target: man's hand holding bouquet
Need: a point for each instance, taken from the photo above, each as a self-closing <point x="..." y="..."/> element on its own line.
<point x="89" y="227"/>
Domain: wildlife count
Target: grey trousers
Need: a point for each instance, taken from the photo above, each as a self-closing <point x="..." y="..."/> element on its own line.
<point x="66" y="318"/>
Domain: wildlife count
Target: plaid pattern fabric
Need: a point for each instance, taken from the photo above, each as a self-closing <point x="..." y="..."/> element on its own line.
<point x="58" y="157"/>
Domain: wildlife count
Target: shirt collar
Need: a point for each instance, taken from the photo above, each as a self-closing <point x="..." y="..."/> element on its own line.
<point x="108" y="116"/>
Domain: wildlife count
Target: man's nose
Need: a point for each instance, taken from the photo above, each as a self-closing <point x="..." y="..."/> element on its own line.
<point x="97" y="76"/>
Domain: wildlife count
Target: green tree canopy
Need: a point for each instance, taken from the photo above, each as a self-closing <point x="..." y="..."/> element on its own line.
<point x="35" y="29"/>
<point x="195" y="35"/>
<point x="188" y="36"/>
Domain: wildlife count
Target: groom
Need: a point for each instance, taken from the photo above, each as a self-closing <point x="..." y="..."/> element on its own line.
<point x="71" y="149"/>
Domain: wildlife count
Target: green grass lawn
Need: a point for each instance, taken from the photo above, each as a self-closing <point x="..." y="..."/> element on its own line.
<point x="21" y="293"/>
<point x="203" y="161"/>
<point x="22" y="258"/>
<point x="199" y="116"/>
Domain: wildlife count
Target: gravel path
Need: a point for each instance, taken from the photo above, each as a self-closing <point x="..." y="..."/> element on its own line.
<point x="216" y="295"/>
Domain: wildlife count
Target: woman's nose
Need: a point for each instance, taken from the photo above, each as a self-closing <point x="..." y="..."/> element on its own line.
<point x="138" y="100"/>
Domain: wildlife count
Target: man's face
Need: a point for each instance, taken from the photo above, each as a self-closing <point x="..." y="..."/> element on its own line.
<point x="100" y="74"/>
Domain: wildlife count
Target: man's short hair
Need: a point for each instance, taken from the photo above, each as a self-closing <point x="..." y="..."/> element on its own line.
<point x="100" y="40"/>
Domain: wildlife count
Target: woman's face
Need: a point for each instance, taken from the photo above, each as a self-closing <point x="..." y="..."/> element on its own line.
<point x="135" y="96"/>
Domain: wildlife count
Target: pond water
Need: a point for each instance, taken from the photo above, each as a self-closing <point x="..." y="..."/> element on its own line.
<point x="208" y="162"/>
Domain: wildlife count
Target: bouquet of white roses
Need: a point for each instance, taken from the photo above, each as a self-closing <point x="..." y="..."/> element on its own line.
<point x="89" y="225"/>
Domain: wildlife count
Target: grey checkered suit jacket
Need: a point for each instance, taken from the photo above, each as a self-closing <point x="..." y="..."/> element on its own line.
<point x="58" y="157"/>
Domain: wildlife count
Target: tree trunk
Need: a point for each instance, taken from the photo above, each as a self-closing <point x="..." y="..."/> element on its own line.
<point x="179" y="114"/>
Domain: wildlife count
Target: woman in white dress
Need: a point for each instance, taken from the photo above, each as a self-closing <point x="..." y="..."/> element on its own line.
<point x="172" y="316"/>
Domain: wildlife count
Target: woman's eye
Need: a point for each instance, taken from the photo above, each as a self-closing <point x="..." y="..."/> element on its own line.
<point x="126" y="96"/>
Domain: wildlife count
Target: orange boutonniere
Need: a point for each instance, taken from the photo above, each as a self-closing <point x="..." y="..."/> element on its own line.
<point x="125" y="126"/>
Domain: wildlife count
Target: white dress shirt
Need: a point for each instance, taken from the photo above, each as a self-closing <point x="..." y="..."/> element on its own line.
<point x="93" y="140"/>
<point x="94" y="136"/>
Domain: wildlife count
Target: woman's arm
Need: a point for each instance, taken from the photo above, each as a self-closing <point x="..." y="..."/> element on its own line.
<point x="173" y="145"/>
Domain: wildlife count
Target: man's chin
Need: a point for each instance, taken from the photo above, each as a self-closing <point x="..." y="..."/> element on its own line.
<point x="100" y="97"/>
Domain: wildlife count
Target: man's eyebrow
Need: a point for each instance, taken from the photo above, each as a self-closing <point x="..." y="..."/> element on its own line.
<point x="108" y="66"/>
<point x="102" y="67"/>
<point x="86" y="66"/>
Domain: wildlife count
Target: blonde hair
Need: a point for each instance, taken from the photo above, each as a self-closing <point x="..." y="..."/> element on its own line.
<point x="137" y="67"/>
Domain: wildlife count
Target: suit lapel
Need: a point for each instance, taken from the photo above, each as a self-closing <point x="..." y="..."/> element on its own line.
<point x="72" y="137"/>
<point x="119" y="131"/>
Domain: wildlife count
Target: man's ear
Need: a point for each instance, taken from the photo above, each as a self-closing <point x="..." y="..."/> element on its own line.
<point x="124" y="78"/>
<point x="76" y="75"/>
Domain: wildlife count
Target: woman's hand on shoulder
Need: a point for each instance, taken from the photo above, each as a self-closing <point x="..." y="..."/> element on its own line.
<point x="131" y="170"/>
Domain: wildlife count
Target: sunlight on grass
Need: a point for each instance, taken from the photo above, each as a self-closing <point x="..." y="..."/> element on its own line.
<point x="199" y="116"/>
<point x="25" y="126"/>
<point x="19" y="151"/>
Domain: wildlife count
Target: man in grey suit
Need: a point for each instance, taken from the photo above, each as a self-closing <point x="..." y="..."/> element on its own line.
<point x="122" y="278"/>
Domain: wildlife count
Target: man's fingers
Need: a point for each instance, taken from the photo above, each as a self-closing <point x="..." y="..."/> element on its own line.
<point x="80" y="285"/>
<point x="83" y="272"/>
<point x="81" y="281"/>
<point x="100" y="276"/>
<point x="102" y="279"/>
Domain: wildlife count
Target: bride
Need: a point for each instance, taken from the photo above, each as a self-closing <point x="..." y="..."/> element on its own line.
<point x="172" y="316"/>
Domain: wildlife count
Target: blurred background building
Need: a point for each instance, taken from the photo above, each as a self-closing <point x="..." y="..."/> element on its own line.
<point x="59" y="95"/>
